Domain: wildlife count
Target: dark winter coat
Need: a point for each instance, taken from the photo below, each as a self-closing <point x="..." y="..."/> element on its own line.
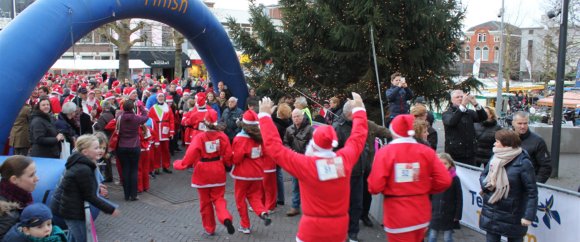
<point x="296" y="138"/>
<point x="230" y="117"/>
<point x="281" y="125"/>
<point x="447" y="207"/>
<point x="105" y="117"/>
<point x="9" y="215"/>
<point x="504" y="217"/>
<point x="78" y="185"/>
<point x="460" y="140"/>
<point x="539" y="155"/>
<point x="16" y="235"/>
<point x="485" y="135"/>
<point x="43" y="136"/>
<point x="19" y="137"/>
<point x="398" y="97"/>
<point x="66" y="127"/>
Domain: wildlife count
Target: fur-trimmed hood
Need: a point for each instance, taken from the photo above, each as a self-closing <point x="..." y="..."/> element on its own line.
<point x="7" y="207"/>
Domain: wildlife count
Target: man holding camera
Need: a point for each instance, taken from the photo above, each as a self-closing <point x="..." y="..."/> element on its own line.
<point x="398" y="96"/>
<point x="458" y="122"/>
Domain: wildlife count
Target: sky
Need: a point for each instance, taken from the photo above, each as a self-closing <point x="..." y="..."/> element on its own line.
<point x="522" y="13"/>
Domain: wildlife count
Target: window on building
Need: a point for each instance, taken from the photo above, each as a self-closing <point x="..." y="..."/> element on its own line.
<point x="166" y="36"/>
<point x="468" y="39"/>
<point x="496" y="54"/>
<point x="87" y="39"/>
<point x="485" y="54"/>
<point x="147" y="35"/>
<point x="106" y="57"/>
<point x="481" y="37"/>
<point x="477" y="53"/>
<point x="496" y="39"/>
<point x="467" y="57"/>
<point x="531" y="31"/>
<point x="102" y="38"/>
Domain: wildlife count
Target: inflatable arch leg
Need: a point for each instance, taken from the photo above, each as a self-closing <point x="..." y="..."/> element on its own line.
<point x="35" y="39"/>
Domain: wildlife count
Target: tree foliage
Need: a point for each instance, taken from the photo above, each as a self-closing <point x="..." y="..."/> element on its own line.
<point x="324" y="47"/>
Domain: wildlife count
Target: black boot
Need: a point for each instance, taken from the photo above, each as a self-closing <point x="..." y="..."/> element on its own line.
<point x="229" y="226"/>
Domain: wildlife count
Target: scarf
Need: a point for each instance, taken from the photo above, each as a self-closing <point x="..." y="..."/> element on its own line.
<point x="14" y="193"/>
<point x="57" y="235"/>
<point x="452" y="172"/>
<point x="497" y="179"/>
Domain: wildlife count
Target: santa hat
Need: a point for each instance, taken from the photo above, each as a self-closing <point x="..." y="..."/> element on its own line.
<point x="250" y="117"/>
<point x="169" y="98"/>
<point x="109" y="95"/>
<point x="175" y="81"/>
<point x="57" y="90"/>
<point x="73" y="88"/>
<point x="118" y="90"/>
<point x="179" y="92"/>
<point x="211" y="117"/>
<point x="115" y="83"/>
<point x="402" y="126"/>
<point x="128" y="90"/>
<point x="186" y="92"/>
<point x="324" y="138"/>
<point x="200" y="99"/>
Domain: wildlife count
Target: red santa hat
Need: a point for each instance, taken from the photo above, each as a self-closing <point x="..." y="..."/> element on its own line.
<point x="186" y="92"/>
<point x="324" y="138"/>
<point x="175" y="81"/>
<point x="250" y="117"/>
<point x="200" y="99"/>
<point x="402" y="126"/>
<point x="57" y="90"/>
<point x="115" y="83"/>
<point x="118" y="90"/>
<point x="109" y="95"/>
<point x="128" y="90"/>
<point x="211" y="117"/>
<point x="179" y="92"/>
<point x="168" y="98"/>
<point x="73" y="88"/>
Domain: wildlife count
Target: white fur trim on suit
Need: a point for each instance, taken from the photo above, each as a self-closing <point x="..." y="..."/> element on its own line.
<point x="406" y="229"/>
<point x="208" y="185"/>
<point x="263" y="114"/>
<point x="250" y="122"/>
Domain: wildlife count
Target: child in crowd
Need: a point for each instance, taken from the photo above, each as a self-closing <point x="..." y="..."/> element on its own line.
<point x="35" y="225"/>
<point x="447" y="206"/>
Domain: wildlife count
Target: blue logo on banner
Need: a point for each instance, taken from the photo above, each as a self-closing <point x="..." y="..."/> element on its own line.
<point x="549" y="213"/>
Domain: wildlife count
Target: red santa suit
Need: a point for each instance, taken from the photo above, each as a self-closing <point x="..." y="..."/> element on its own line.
<point x="406" y="172"/>
<point x="209" y="153"/>
<point x="324" y="176"/>
<point x="144" y="160"/>
<point x="163" y="124"/>
<point x="194" y="118"/>
<point x="248" y="172"/>
<point x="269" y="183"/>
<point x="54" y="98"/>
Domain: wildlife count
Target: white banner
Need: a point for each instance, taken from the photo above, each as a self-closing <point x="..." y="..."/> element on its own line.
<point x="557" y="218"/>
<point x="476" y="66"/>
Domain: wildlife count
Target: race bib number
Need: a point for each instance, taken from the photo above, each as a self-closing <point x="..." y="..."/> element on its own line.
<point x="329" y="169"/>
<point x="407" y="172"/>
<point x="256" y="152"/>
<point x="212" y="146"/>
<point x="201" y="126"/>
<point x="165" y="130"/>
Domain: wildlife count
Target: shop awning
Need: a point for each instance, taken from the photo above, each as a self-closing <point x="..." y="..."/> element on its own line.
<point x="571" y="100"/>
<point x="159" y="59"/>
<point x="63" y="64"/>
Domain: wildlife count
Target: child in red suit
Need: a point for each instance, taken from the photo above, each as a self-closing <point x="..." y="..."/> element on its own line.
<point x="209" y="153"/>
<point x="248" y="172"/>
<point x="406" y="173"/>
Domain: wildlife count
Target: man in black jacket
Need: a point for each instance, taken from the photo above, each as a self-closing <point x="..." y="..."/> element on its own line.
<point x="535" y="146"/>
<point x="458" y="121"/>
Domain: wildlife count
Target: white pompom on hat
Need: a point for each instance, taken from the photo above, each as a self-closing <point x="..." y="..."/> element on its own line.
<point x="402" y="126"/>
<point x="325" y="138"/>
<point x="250" y="117"/>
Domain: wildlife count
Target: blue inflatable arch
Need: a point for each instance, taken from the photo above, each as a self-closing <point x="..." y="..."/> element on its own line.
<point x="35" y="39"/>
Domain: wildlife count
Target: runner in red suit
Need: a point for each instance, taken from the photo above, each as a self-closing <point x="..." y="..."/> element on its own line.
<point x="323" y="174"/>
<point x="406" y="172"/>
<point x="209" y="153"/>
<point x="163" y="124"/>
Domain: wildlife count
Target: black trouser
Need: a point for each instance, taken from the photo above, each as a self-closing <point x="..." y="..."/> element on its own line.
<point x="356" y="204"/>
<point x="173" y="145"/>
<point x="491" y="237"/>
<point x="107" y="169"/>
<point x="129" y="158"/>
<point x="367" y="197"/>
<point x="21" y="151"/>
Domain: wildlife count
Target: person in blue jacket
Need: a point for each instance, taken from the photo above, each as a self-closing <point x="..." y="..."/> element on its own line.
<point x="398" y="96"/>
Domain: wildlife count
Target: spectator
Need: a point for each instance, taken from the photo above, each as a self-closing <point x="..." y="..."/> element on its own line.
<point x="282" y="120"/>
<point x="252" y="98"/>
<point x="535" y="146"/>
<point x="509" y="191"/>
<point x="78" y="185"/>
<point x="106" y="116"/>
<point x="35" y="225"/>
<point x="420" y="112"/>
<point x="213" y="103"/>
<point x="334" y="112"/>
<point x="421" y="133"/>
<point x="16" y="186"/>
<point x="222" y="88"/>
<point x="19" y="136"/>
<point x="485" y="134"/>
<point x="398" y="95"/>
<point x="406" y="173"/>
<point x="230" y="116"/>
<point x="460" y="140"/>
<point x="447" y="207"/>
<point x="223" y="101"/>
<point x="152" y="99"/>
<point x="301" y="104"/>
<point x="43" y="134"/>
<point x="66" y="125"/>
<point x="296" y="138"/>
<point x="129" y="148"/>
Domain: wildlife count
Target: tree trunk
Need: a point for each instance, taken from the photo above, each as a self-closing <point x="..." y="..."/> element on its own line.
<point x="178" y="39"/>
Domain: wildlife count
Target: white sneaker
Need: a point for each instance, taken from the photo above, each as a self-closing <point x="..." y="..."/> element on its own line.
<point x="244" y="230"/>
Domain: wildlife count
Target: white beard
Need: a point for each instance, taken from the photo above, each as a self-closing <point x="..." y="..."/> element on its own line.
<point x="313" y="152"/>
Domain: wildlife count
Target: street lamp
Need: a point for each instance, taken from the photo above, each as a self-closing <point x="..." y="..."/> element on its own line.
<point x="499" y="99"/>
<point x="558" y="97"/>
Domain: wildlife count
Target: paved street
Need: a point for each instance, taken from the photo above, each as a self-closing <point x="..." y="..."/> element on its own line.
<point x="170" y="212"/>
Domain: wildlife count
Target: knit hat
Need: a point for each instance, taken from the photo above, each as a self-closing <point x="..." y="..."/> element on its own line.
<point x="35" y="214"/>
<point x="250" y="117"/>
<point x="324" y="138"/>
<point x="128" y="90"/>
<point x="200" y="99"/>
<point x="402" y="126"/>
<point x="211" y="116"/>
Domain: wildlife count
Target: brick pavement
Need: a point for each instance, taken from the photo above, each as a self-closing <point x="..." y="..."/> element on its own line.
<point x="170" y="212"/>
